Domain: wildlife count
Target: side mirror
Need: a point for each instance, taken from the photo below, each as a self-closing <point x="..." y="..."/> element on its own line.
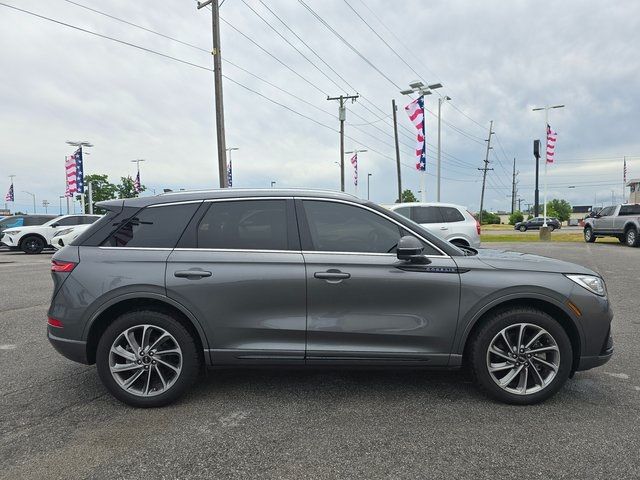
<point x="54" y="225"/>
<point x="410" y="249"/>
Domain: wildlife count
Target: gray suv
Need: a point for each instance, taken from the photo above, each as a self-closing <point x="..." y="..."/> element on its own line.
<point x="162" y="286"/>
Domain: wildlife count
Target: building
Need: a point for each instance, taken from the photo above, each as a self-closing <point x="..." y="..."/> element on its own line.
<point x="578" y="213"/>
<point x="634" y="194"/>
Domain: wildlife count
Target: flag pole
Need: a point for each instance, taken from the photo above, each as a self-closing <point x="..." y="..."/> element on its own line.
<point x="546" y="163"/>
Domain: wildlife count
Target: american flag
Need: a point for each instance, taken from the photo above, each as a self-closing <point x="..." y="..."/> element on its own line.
<point x="75" y="173"/>
<point x="229" y="175"/>
<point x="551" y="143"/>
<point x="415" y="110"/>
<point x="136" y="183"/>
<point x="9" y="196"/>
<point x="354" y="162"/>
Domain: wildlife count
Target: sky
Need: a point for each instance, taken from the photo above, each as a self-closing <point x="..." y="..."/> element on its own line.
<point x="496" y="60"/>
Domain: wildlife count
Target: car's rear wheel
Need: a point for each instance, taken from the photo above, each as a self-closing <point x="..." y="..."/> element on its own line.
<point x="32" y="245"/>
<point x="523" y="228"/>
<point x="632" y="238"/>
<point x="589" y="236"/>
<point x="147" y="359"/>
<point x="520" y="356"/>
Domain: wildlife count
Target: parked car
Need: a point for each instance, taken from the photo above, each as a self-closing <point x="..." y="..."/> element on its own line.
<point x="13" y="221"/>
<point x="620" y="221"/>
<point x="536" y="223"/>
<point x="65" y="236"/>
<point x="445" y="220"/>
<point x="34" y="239"/>
<point x="163" y="285"/>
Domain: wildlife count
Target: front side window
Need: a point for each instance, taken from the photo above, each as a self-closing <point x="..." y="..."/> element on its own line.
<point x="450" y="215"/>
<point x="426" y="215"/>
<point x="605" y="212"/>
<point x="338" y="227"/>
<point x="153" y="227"/>
<point x="245" y="225"/>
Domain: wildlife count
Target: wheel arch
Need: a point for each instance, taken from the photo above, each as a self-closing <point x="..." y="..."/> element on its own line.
<point x="459" y="239"/>
<point x="629" y="226"/>
<point x="143" y="301"/>
<point x="548" y="306"/>
<point x="27" y="235"/>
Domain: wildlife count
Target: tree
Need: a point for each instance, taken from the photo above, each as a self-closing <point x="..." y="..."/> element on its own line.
<point x="489" y="218"/>
<point x="560" y="209"/>
<point x="126" y="189"/>
<point x="102" y="190"/>
<point x="408" y="196"/>
<point x="516" y="217"/>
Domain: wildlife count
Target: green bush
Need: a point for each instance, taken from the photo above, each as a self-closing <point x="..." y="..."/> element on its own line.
<point x="516" y="217"/>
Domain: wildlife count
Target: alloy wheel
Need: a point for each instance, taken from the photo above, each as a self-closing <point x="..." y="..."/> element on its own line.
<point x="145" y="360"/>
<point x="523" y="358"/>
<point x="631" y="238"/>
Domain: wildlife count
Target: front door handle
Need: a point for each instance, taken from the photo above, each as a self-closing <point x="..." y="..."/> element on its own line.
<point x="332" y="275"/>
<point x="444" y="228"/>
<point x="195" y="274"/>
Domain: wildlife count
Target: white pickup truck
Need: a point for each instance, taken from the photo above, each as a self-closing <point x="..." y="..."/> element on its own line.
<point x="620" y="221"/>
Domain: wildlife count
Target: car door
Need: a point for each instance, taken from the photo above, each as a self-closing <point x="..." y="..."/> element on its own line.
<point x="239" y="270"/>
<point x="604" y="221"/>
<point x="365" y="305"/>
<point x="430" y="217"/>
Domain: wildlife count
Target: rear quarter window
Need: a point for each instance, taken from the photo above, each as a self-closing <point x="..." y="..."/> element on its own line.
<point x="426" y="215"/>
<point x="629" y="210"/>
<point x="450" y="215"/>
<point x="153" y="227"/>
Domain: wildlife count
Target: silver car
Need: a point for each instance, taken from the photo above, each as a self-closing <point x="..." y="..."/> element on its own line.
<point x="163" y="286"/>
<point x="450" y="222"/>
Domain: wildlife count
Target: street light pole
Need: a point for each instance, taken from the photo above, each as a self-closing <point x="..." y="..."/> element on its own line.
<point x="368" y="186"/>
<point x="441" y="100"/>
<point x="34" y="200"/>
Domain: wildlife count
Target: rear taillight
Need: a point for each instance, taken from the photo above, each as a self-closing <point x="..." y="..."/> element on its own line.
<point x="477" y="222"/>
<point x="54" y="322"/>
<point x="65" y="267"/>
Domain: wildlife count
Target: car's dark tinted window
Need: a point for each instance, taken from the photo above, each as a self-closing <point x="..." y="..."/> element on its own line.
<point x="450" y="215"/>
<point x="338" y="227"/>
<point x="12" y="222"/>
<point x="88" y="219"/>
<point x="426" y="215"/>
<point x="64" y="222"/>
<point x="404" y="211"/>
<point x="245" y="224"/>
<point x="605" y="212"/>
<point x="629" y="210"/>
<point x="153" y="227"/>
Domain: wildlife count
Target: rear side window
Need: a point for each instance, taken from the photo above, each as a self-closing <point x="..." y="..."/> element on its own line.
<point x="426" y="215"/>
<point x="244" y="225"/>
<point x="450" y="215"/>
<point x="629" y="210"/>
<point x="153" y="227"/>
<point x="404" y="211"/>
<point x="67" y="221"/>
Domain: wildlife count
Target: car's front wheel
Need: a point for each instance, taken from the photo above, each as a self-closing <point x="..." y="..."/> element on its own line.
<point x="520" y="356"/>
<point x="589" y="236"/>
<point x="147" y="359"/>
<point x="32" y="245"/>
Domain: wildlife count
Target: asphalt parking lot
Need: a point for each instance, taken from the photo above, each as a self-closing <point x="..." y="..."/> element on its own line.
<point x="57" y="421"/>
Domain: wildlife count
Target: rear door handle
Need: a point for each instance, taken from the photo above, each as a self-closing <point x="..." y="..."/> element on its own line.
<point x="337" y="275"/>
<point x="192" y="274"/>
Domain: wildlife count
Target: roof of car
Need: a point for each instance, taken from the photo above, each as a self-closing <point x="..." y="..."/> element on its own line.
<point x="195" y="195"/>
<point x="424" y="204"/>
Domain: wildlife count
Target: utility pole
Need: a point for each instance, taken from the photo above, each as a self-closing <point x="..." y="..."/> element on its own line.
<point x="395" y="134"/>
<point x="342" y="116"/>
<point x="217" y="76"/>
<point x="514" y="191"/>
<point x="484" y="170"/>
<point x="520" y="204"/>
<point x="45" y="204"/>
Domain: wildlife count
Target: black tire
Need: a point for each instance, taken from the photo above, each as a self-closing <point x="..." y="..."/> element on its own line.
<point x="631" y="238"/>
<point x="589" y="236"/>
<point x="479" y="345"/>
<point x="622" y="239"/>
<point x="32" y="245"/>
<point x="523" y="228"/>
<point x="191" y="360"/>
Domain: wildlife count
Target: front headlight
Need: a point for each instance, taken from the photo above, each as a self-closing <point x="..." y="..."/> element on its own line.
<point x="15" y="232"/>
<point x="590" y="282"/>
<point x="63" y="232"/>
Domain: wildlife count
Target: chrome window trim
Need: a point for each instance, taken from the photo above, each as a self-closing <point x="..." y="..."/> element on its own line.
<point x="156" y="205"/>
<point x="163" y="249"/>
<point x="334" y="200"/>
<point x="234" y="250"/>
<point x="239" y="199"/>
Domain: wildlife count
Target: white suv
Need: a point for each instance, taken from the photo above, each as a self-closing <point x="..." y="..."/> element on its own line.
<point x="35" y="239"/>
<point x="446" y="220"/>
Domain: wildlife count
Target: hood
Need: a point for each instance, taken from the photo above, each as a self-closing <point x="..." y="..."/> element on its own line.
<point x="503" y="259"/>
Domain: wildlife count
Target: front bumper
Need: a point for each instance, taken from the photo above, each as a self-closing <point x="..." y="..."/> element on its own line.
<point x="589" y="362"/>
<point x="72" y="349"/>
<point x="7" y="240"/>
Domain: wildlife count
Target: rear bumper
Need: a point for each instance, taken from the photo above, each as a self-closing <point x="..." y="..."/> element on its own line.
<point x="72" y="349"/>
